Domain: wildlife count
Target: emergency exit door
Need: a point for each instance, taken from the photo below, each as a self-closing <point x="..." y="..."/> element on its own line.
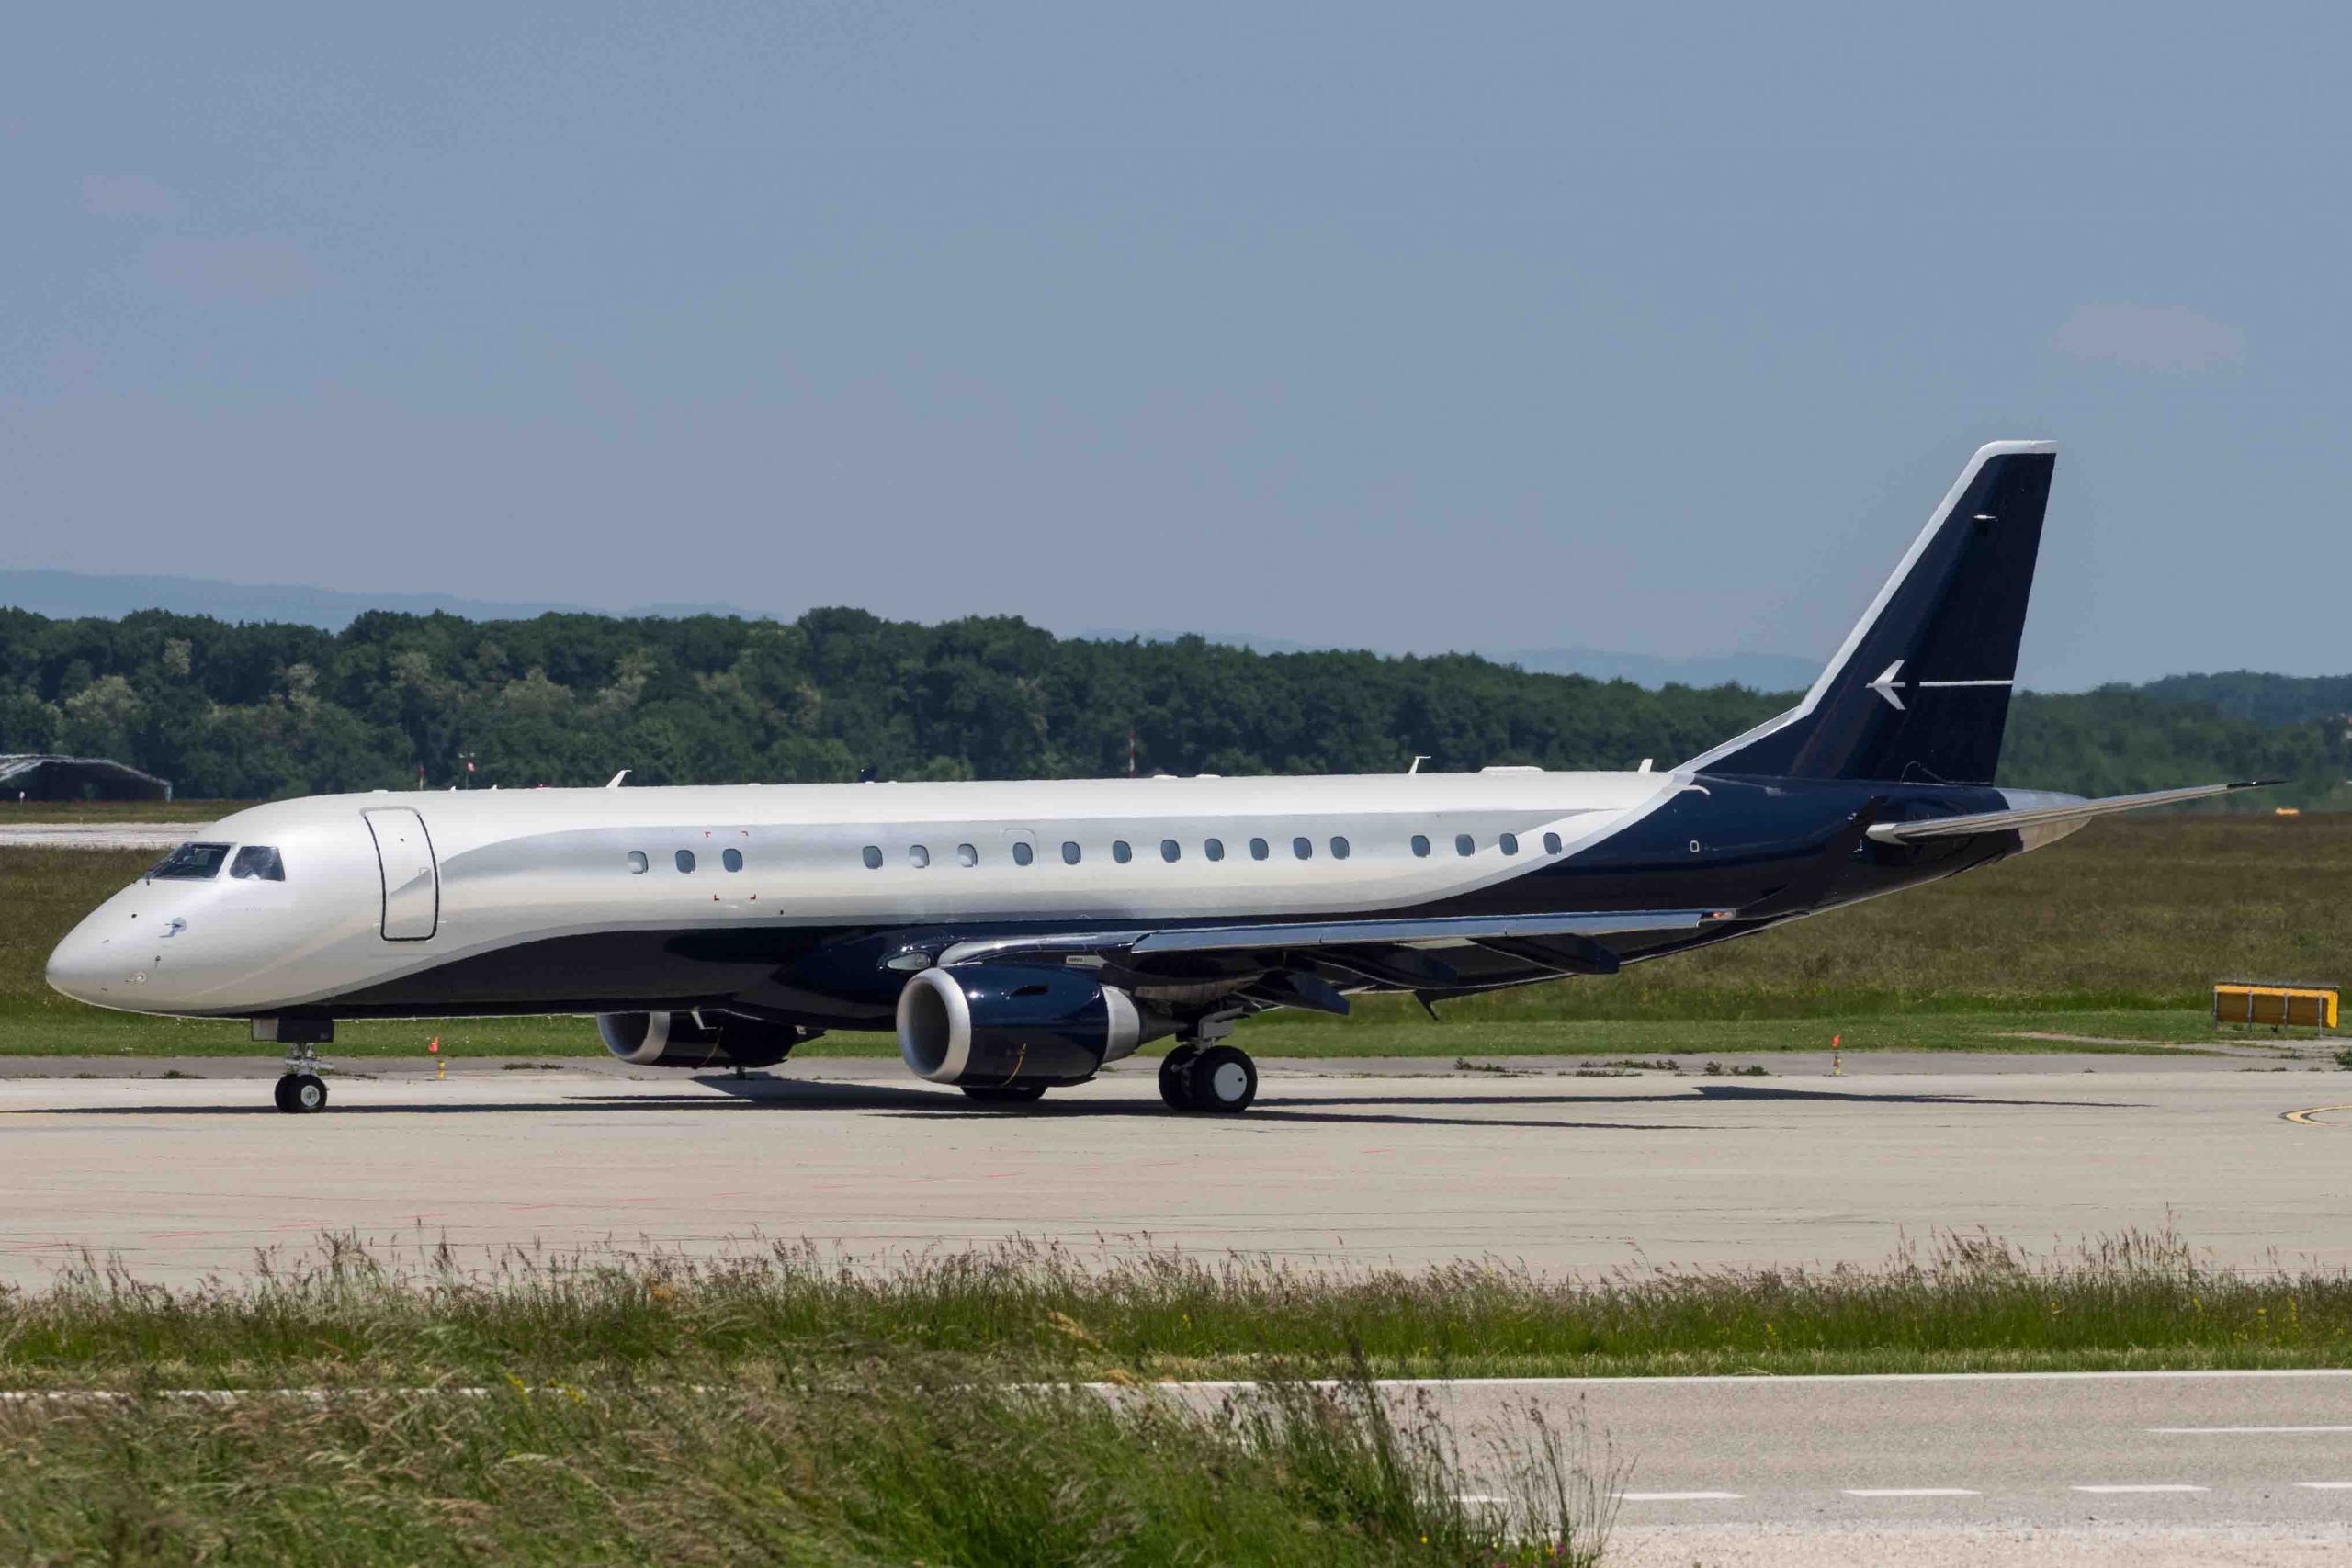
<point x="412" y="884"/>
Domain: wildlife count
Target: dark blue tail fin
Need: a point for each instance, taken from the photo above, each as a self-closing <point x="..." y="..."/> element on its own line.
<point x="1920" y="690"/>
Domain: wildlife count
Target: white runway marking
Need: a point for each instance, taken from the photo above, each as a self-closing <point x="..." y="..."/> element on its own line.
<point x="2325" y="1486"/>
<point x="2237" y="1431"/>
<point x="1782" y="1380"/>
<point x="1678" y="1496"/>
<point x="1911" y="1492"/>
<point x="2124" y="1491"/>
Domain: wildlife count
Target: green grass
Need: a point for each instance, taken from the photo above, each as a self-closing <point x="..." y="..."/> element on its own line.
<point x="892" y="1461"/>
<point x="345" y="1315"/>
<point x="789" y="1404"/>
<point x="119" y="810"/>
<point x="2115" y="934"/>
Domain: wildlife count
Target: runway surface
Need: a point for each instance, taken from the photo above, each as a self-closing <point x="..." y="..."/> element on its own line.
<point x="184" y="1176"/>
<point x="2135" y="1468"/>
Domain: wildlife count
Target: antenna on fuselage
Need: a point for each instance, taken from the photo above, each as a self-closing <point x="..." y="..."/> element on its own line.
<point x="1419" y="758"/>
<point x="615" y="781"/>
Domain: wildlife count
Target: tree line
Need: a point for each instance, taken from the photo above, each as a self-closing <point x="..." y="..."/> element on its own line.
<point x="250" y="711"/>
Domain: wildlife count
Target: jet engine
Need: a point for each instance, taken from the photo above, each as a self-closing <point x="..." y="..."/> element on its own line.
<point x="708" y="1040"/>
<point x="1005" y="1023"/>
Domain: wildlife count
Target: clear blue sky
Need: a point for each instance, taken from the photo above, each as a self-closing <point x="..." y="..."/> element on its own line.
<point x="1654" y="328"/>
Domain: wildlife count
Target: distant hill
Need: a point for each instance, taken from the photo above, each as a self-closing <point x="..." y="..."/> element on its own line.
<point x="73" y="595"/>
<point x="2266" y="699"/>
<point x="252" y="710"/>
<point x="1756" y="672"/>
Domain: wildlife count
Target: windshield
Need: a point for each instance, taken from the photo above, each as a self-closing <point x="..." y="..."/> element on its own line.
<point x="258" y="861"/>
<point x="191" y="862"/>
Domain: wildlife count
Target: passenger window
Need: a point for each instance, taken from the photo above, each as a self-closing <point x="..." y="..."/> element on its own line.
<point x="638" y="863"/>
<point x="1303" y="848"/>
<point x="685" y="859"/>
<point x="1214" y="849"/>
<point x="1338" y="848"/>
<point x="919" y="855"/>
<point x="1421" y="845"/>
<point x="1120" y="851"/>
<point x="873" y="857"/>
<point x="190" y="862"/>
<point x="731" y="859"/>
<point x="1069" y="851"/>
<point x="1551" y="843"/>
<point x="966" y="855"/>
<point x="1509" y="842"/>
<point x="259" y="862"/>
<point x="1168" y="851"/>
<point x="1462" y="846"/>
<point x="1022" y="854"/>
<point x="1258" y="848"/>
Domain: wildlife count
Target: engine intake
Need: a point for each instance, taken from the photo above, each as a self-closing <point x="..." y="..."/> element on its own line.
<point x="1005" y="1023"/>
<point x="679" y="1040"/>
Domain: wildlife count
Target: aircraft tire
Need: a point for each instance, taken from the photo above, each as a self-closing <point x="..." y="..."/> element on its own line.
<point x="300" y="1093"/>
<point x="1221" y="1080"/>
<point x="1172" y="1077"/>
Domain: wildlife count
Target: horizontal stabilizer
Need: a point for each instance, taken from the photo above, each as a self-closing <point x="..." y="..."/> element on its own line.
<point x="2047" y="816"/>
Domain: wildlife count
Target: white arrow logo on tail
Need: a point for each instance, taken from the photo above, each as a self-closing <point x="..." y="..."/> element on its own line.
<point x="1884" y="686"/>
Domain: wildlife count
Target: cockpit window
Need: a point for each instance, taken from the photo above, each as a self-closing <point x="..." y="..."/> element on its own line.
<point x="191" y="862"/>
<point x="258" y="861"/>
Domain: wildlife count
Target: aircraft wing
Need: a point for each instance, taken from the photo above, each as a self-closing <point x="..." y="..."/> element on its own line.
<point x="2042" y="816"/>
<point x="1444" y="931"/>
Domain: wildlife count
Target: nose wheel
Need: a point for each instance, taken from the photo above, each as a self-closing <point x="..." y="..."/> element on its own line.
<point x="301" y="1090"/>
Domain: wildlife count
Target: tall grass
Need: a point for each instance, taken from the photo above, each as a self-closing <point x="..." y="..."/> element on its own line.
<point x="349" y="1317"/>
<point x="999" y="1406"/>
<point x="892" y="1460"/>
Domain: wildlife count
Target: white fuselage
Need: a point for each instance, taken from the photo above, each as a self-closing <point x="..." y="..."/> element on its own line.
<point x="505" y="868"/>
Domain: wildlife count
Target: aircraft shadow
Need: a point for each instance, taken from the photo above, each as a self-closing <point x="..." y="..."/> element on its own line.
<point x="774" y="1094"/>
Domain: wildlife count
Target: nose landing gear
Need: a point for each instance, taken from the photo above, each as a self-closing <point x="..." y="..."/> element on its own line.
<point x="300" y="1092"/>
<point x="300" y="1088"/>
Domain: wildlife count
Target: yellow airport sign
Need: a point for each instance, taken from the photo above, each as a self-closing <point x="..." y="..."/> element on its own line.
<point x="2251" y="1001"/>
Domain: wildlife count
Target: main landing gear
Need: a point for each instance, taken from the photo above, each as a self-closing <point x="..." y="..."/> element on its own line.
<point x="1219" y="1079"/>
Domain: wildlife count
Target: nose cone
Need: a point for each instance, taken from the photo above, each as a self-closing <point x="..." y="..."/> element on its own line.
<point x="85" y="965"/>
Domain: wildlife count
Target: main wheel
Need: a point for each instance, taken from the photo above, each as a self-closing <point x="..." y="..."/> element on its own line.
<point x="284" y="1094"/>
<point x="1172" y="1077"/>
<point x="1222" y="1080"/>
<point x="309" y="1092"/>
<point x="1005" y="1093"/>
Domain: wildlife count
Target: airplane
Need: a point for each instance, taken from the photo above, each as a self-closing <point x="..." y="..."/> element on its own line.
<point x="1020" y="936"/>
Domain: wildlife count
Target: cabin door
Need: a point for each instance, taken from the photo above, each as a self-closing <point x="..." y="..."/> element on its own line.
<point x="412" y="884"/>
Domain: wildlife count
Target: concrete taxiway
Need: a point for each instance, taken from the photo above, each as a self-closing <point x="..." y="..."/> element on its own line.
<point x="183" y="1177"/>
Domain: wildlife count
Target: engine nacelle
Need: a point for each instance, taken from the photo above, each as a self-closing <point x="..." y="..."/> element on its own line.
<point x="1003" y="1023"/>
<point x="678" y="1040"/>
